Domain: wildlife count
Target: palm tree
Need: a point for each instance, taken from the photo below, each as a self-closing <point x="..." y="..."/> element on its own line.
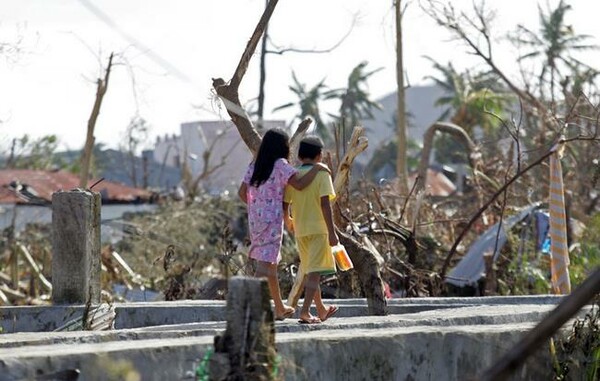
<point x="471" y="99"/>
<point x="356" y="104"/>
<point x="580" y="79"/>
<point x="309" y="100"/>
<point x="554" y="43"/>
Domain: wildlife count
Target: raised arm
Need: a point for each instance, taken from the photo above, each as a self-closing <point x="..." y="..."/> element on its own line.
<point x="300" y="182"/>
<point x="328" y="216"/>
<point x="242" y="192"/>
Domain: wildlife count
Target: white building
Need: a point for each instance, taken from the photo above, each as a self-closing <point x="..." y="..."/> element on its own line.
<point x="197" y="138"/>
<point x="421" y="110"/>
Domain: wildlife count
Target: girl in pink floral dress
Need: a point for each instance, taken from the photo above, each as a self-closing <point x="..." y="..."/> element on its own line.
<point x="262" y="190"/>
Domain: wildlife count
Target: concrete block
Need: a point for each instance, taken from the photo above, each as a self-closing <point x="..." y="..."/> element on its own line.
<point x="75" y="246"/>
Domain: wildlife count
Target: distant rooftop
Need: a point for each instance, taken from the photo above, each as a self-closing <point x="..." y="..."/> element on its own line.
<point x="26" y="186"/>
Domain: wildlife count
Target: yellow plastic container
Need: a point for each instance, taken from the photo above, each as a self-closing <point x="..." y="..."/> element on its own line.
<point x="341" y="257"/>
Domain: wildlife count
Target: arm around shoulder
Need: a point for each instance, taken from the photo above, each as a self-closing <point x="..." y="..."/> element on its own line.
<point x="302" y="181"/>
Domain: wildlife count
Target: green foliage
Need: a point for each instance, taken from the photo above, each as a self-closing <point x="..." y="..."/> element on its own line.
<point x="201" y="234"/>
<point x="28" y="153"/>
<point x="355" y="101"/>
<point x="576" y="355"/>
<point x="309" y="102"/>
<point x="552" y="45"/>
<point x="586" y="257"/>
<point x="355" y="98"/>
<point x="521" y="269"/>
<point x="472" y="99"/>
<point x="449" y="150"/>
<point x="386" y="155"/>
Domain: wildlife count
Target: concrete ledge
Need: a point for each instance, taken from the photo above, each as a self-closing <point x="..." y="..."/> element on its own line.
<point x="134" y="315"/>
<point x="445" y="344"/>
<point x="404" y="353"/>
<point x="158" y="359"/>
<point x="410" y="353"/>
<point x="473" y="315"/>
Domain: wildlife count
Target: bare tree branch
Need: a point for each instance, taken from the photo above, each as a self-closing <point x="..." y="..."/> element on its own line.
<point x="281" y="51"/>
<point x="229" y="92"/>
<point x="102" y="86"/>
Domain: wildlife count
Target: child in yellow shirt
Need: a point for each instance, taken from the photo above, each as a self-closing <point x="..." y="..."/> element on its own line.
<point x="313" y="228"/>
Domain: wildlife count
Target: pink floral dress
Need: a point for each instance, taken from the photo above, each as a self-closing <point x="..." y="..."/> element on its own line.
<point x="265" y="212"/>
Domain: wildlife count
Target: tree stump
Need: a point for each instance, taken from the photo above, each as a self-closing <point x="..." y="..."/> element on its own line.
<point x="246" y="351"/>
<point x="367" y="269"/>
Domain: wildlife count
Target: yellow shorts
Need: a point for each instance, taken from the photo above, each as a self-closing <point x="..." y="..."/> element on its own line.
<point x="315" y="254"/>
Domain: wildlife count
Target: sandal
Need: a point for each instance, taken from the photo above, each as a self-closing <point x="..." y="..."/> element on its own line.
<point x="332" y="310"/>
<point x="312" y="320"/>
<point x="286" y="315"/>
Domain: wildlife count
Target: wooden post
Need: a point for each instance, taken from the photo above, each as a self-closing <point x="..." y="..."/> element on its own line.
<point x="490" y="275"/>
<point x="14" y="266"/>
<point x="246" y="351"/>
<point x="14" y="257"/>
<point x="76" y="247"/>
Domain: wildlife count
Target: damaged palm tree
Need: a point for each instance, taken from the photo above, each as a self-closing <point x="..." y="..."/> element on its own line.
<point x="366" y="261"/>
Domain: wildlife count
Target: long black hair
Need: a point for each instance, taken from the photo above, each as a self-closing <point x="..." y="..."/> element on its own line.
<point x="275" y="145"/>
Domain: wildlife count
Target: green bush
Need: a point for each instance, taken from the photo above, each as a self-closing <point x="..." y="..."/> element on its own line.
<point x="586" y="256"/>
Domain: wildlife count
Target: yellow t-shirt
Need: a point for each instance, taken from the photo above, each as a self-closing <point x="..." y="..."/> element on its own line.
<point x="306" y="204"/>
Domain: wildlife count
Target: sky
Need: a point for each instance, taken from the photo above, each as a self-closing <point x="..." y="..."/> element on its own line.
<point x="168" y="51"/>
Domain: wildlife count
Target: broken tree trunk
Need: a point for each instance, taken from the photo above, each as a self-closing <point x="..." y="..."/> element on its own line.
<point x="367" y="269"/>
<point x="358" y="143"/>
<point x="229" y="92"/>
<point x="246" y="351"/>
<point x="86" y="157"/>
<point x="364" y="259"/>
<point x="296" y="138"/>
<point x="449" y="128"/>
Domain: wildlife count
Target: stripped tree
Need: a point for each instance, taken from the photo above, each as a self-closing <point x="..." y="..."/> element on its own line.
<point x="86" y="156"/>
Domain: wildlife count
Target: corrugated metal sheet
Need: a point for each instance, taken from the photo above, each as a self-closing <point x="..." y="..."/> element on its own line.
<point x="472" y="266"/>
<point x="24" y="186"/>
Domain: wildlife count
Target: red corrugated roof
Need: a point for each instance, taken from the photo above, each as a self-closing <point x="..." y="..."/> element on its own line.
<point x="44" y="183"/>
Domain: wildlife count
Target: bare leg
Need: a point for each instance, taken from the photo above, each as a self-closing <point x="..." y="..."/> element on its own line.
<point x="324" y="312"/>
<point x="311" y="285"/>
<point x="297" y="288"/>
<point x="269" y="271"/>
<point x="321" y="308"/>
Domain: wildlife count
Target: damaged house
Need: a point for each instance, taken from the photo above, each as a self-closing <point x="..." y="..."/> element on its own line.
<point x="26" y="196"/>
